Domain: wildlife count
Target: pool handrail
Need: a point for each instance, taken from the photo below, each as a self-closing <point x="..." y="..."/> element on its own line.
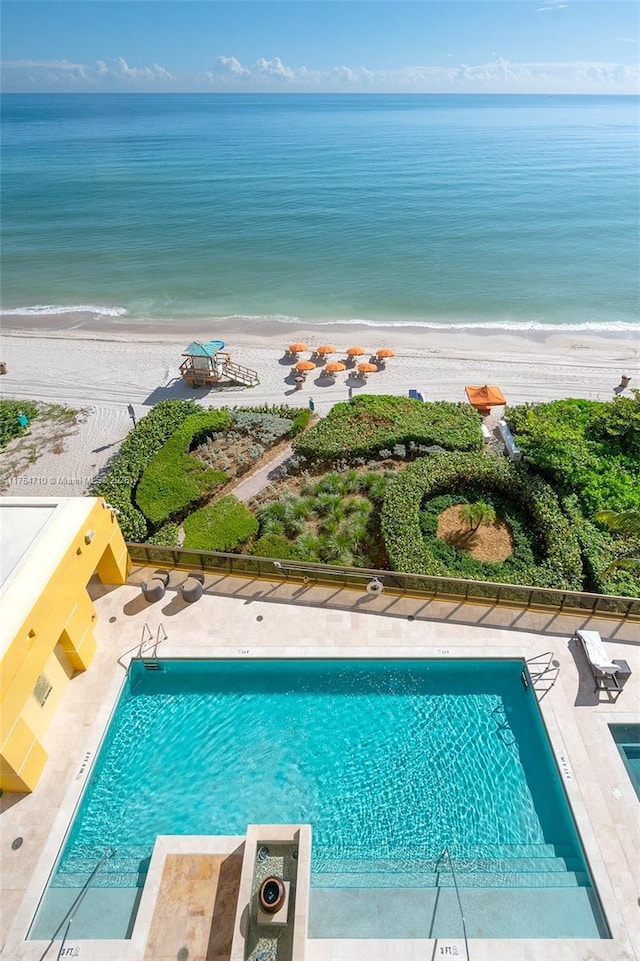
<point x="68" y="918"/>
<point x="444" y="851"/>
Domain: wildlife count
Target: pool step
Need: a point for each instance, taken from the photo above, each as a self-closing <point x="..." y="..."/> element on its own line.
<point x="502" y="866"/>
<point x="435" y="913"/>
<point x="122" y="880"/>
<point x="511" y="879"/>
<point x="322" y="866"/>
<point x="127" y="868"/>
<point x="475" y="852"/>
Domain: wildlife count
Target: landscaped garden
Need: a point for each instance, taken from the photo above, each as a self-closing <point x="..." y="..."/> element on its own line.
<point x="393" y="483"/>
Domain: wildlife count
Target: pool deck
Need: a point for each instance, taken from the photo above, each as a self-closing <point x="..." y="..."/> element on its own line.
<point x="245" y="618"/>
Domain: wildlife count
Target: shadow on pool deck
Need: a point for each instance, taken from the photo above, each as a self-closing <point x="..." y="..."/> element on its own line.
<point x="392" y="605"/>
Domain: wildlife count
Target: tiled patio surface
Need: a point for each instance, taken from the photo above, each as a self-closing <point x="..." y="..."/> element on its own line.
<point x="247" y="618"/>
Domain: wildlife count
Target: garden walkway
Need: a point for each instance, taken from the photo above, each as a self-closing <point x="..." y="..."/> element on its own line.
<point x="251" y="485"/>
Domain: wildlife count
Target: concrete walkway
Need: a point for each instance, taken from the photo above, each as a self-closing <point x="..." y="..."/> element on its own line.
<point x="251" y="485"/>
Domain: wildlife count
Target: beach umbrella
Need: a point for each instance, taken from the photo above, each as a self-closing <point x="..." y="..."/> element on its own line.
<point x="485" y="397"/>
<point x="335" y="367"/>
<point x="305" y="365"/>
<point x="355" y="351"/>
<point x="325" y="349"/>
<point x="367" y="368"/>
<point x="385" y="352"/>
<point x="297" y="348"/>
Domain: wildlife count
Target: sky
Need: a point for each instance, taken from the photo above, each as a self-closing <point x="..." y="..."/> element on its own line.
<point x="320" y="46"/>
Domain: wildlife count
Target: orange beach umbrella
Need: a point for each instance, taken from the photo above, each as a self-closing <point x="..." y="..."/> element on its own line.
<point x="355" y="351"/>
<point x="367" y="368"/>
<point x="485" y="397"/>
<point x="385" y="352"/>
<point x="325" y="349"/>
<point x="305" y="365"/>
<point x="297" y="348"/>
<point x="335" y="367"/>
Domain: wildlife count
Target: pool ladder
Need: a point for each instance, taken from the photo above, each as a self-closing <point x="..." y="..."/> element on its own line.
<point x="148" y="646"/>
<point x="543" y="671"/>
<point x="151" y="662"/>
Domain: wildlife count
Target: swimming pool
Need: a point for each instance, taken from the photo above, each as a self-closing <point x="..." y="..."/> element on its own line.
<point x="389" y="761"/>
<point x="627" y="738"/>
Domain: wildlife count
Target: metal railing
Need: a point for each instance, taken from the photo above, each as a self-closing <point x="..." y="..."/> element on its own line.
<point x="445" y="851"/>
<point x="543" y="671"/>
<point x="68" y="918"/>
<point x="147" y="647"/>
<point x="394" y="582"/>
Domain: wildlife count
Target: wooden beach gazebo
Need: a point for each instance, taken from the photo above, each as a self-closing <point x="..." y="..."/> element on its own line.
<point x="208" y="363"/>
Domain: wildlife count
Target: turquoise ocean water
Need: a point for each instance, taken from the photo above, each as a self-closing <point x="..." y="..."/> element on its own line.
<point x="515" y="211"/>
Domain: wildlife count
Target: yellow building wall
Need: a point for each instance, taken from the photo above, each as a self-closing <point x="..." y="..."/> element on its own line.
<point x="54" y="639"/>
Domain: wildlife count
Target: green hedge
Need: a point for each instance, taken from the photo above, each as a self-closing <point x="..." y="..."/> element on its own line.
<point x="584" y="447"/>
<point x="599" y="550"/>
<point x="173" y="479"/>
<point x="166" y="536"/>
<point x="118" y="483"/>
<point x="9" y="423"/>
<point x="274" y="545"/>
<point x="369" y="424"/>
<point x="552" y="539"/>
<point x="222" y="526"/>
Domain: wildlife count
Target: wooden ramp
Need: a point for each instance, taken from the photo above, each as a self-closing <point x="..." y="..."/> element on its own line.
<point x="241" y="375"/>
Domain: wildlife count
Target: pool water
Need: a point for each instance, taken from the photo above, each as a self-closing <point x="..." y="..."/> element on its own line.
<point x="627" y="738"/>
<point x="389" y="761"/>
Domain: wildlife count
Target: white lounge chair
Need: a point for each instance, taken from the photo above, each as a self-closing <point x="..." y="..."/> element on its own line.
<point x="603" y="669"/>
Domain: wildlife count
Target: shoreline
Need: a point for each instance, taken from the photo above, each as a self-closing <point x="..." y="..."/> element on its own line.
<point x="105" y="373"/>
<point x="273" y="332"/>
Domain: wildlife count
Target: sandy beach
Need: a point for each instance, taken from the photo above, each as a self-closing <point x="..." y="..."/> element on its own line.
<point x="103" y="369"/>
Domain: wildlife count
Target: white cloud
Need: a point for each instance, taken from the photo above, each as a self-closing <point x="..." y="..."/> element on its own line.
<point x="55" y="70"/>
<point x="498" y="75"/>
<point x="42" y="65"/>
<point x="62" y="74"/>
<point x="274" y="68"/>
<point x="155" y="72"/>
<point x="232" y="66"/>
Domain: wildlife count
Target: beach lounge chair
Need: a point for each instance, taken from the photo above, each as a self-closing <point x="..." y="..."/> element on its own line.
<point x="603" y="669"/>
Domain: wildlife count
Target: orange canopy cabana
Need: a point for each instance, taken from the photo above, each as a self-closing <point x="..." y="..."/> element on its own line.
<point x="334" y="367"/>
<point x="297" y="348"/>
<point x="385" y="352"/>
<point x="355" y="351"/>
<point x="485" y="397"/>
<point x="325" y="349"/>
<point x="305" y="365"/>
<point x="367" y="368"/>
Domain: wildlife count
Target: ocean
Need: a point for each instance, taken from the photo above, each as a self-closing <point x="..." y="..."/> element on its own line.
<point x="508" y="211"/>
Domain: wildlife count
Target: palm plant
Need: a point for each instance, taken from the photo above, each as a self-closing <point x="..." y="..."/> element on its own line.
<point x="308" y="547"/>
<point x="329" y="504"/>
<point x="477" y="513"/>
<point x="619" y="522"/>
<point x="627" y="524"/>
<point x="336" y="549"/>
